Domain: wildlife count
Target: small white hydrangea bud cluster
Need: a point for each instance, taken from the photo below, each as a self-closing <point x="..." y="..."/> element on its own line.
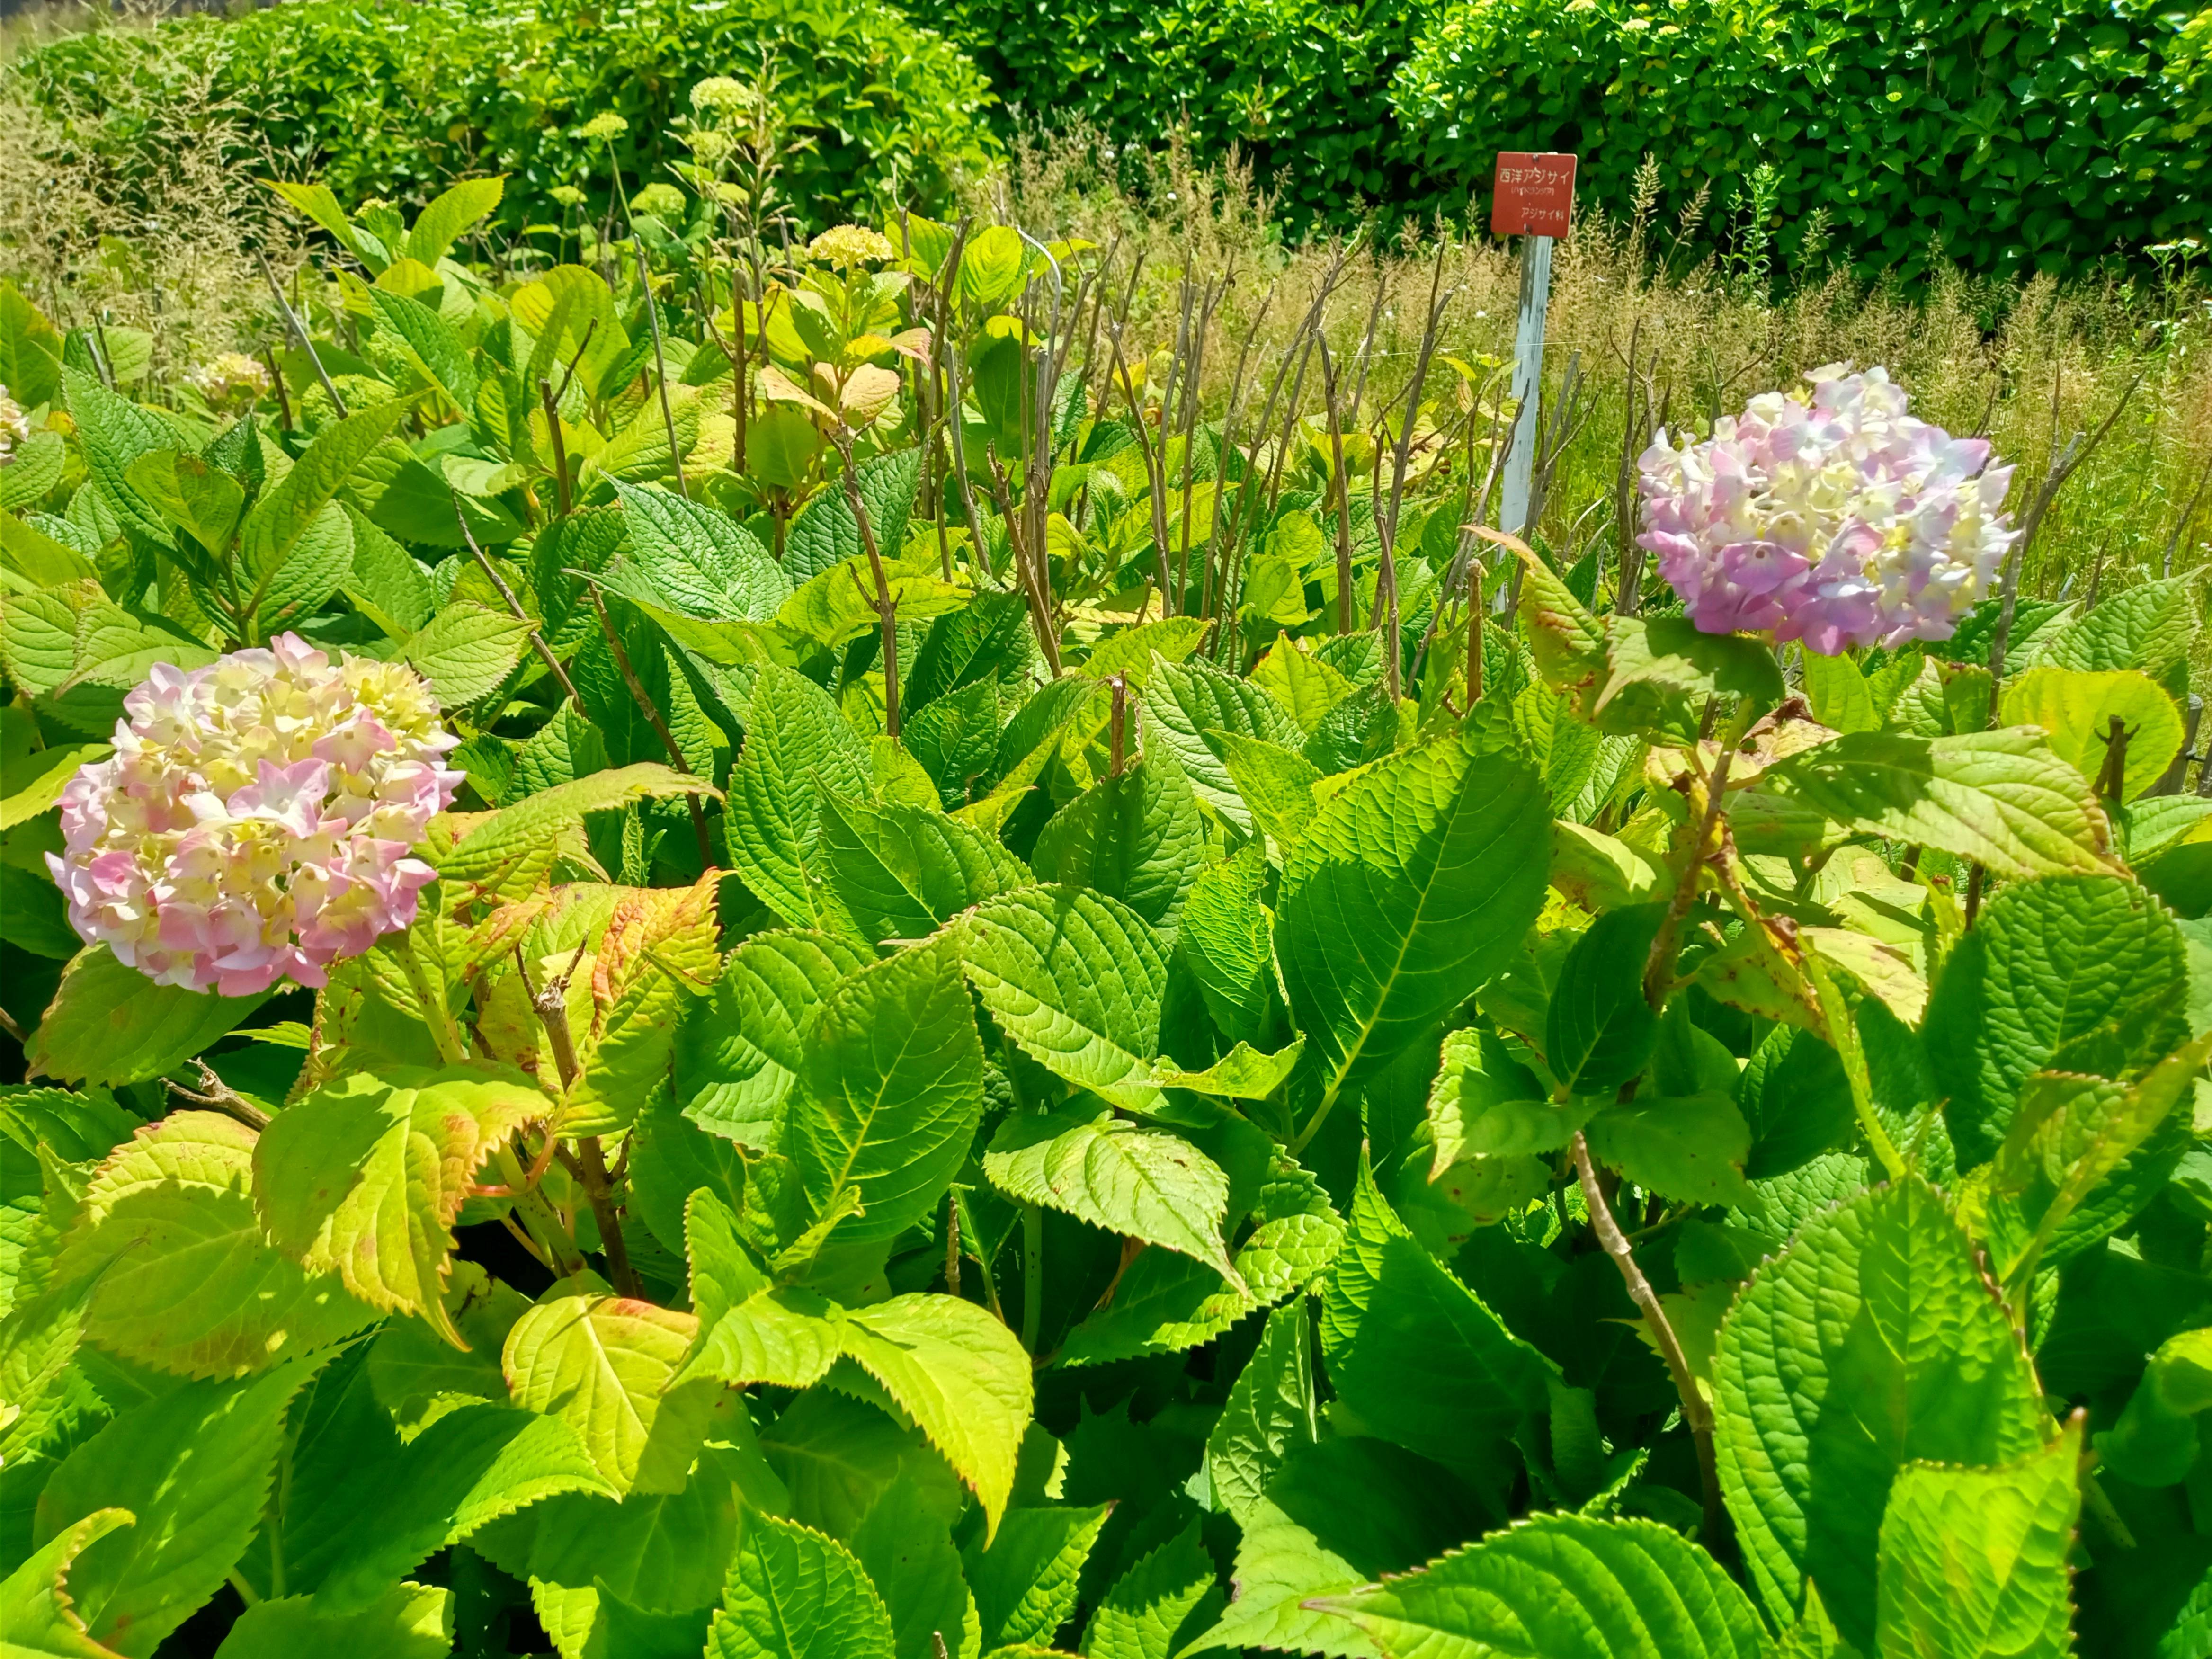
<point x="14" y="426"/>
<point x="233" y="380"/>
<point x="255" y="820"/>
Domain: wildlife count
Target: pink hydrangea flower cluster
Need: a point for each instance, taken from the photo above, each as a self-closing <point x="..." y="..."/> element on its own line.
<point x="1835" y="518"/>
<point x="255" y="820"/>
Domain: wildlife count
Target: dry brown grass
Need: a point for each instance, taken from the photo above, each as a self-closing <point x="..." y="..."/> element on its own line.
<point x="169" y="249"/>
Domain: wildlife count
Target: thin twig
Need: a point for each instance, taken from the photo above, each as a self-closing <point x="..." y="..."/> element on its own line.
<point x="300" y="333"/>
<point x="2064" y="463"/>
<point x="886" y="605"/>
<point x="660" y="362"/>
<point x="1343" y="492"/>
<point x="651" y="713"/>
<point x="216" y="1095"/>
<point x="1695" y="1412"/>
<point x="514" y="606"/>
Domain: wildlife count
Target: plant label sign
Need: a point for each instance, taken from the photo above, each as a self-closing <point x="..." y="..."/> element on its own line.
<point x="1535" y="200"/>
<point x="1533" y="193"/>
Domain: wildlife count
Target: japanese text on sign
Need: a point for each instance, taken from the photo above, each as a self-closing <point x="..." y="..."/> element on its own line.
<point x="1534" y="194"/>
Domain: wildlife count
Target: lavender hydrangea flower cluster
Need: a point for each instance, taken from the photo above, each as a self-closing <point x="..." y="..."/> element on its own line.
<point x="1838" y="520"/>
<point x="255" y="820"/>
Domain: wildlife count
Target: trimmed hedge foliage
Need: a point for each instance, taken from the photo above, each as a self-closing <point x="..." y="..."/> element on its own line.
<point x="2015" y="134"/>
<point x="2020" y="135"/>
<point x="2007" y="136"/>
<point x="392" y="98"/>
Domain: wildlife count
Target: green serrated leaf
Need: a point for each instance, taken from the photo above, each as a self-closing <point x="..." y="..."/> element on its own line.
<point x="2149" y="626"/>
<point x="1337" y="1515"/>
<point x="508" y="853"/>
<point x="30" y="350"/>
<point x="796" y="742"/>
<point x="824" y="532"/>
<point x="1840" y="696"/>
<point x="1075" y="980"/>
<point x="1155" y="1607"/>
<point x="1144" y="1183"/>
<point x="1599" y="1030"/>
<point x="112" y="432"/>
<point x="2079" y="974"/>
<point x="1688" y="1148"/>
<point x="467" y="651"/>
<point x="794" y="1594"/>
<point x="418" y="1375"/>
<point x="1186" y="701"/>
<point x="701" y="561"/>
<point x="193" y="1466"/>
<point x="1485" y="1103"/>
<point x="1277" y="784"/>
<point x="1565" y="1587"/>
<point x="437" y="348"/>
<point x="2071" y="1135"/>
<point x="605" y="1365"/>
<point x="1269" y="1412"/>
<point x="1243" y="1074"/>
<point x="1870" y="1343"/>
<point x="2002" y="799"/>
<point x="739" y="1049"/>
<point x="2077" y="708"/>
<point x="906" y="1552"/>
<point x="410" y="1622"/>
<point x="183" y="1277"/>
<point x="109" y="1024"/>
<point x="1974" y="1561"/>
<point x="365" y="1176"/>
<point x="963" y="1377"/>
<point x="1410" y="889"/>
<point x="36" y="1609"/>
<point x="1135" y="836"/>
<point x="279" y="530"/>
<point x="837" y="1453"/>
<point x="1025" y="1579"/>
<point x="892" y="1091"/>
<point x="1405" y="1342"/>
<point x="2155" y="1440"/>
<point x="900" y="872"/>
<point x="1227" y="939"/>
<point x="449" y="214"/>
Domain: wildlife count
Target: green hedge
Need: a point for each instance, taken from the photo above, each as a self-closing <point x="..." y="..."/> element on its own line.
<point x="1301" y="88"/>
<point x="392" y="98"/>
<point x="2009" y="136"/>
<point x="2021" y="134"/>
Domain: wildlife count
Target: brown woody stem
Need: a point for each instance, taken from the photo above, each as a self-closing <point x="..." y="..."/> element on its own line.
<point x="1695" y="1412"/>
<point x="550" y="1002"/>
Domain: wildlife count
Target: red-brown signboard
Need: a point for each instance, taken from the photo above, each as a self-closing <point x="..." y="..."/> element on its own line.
<point x="1535" y="193"/>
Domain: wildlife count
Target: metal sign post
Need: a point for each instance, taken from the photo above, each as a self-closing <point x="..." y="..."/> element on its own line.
<point x="1535" y="199"/>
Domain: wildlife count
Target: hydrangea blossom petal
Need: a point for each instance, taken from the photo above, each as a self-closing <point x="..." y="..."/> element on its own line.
<point x="1838" y="520"/>
<point x="255" y="822"/>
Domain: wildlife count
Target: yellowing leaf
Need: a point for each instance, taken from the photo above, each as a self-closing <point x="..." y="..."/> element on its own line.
<point x="603" y="1363"/>
<point x="963" y="1377"/>
<point x="182" y="1277"/>
<point x="365" y="1176"/>
<point x="2077" y="709"/>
